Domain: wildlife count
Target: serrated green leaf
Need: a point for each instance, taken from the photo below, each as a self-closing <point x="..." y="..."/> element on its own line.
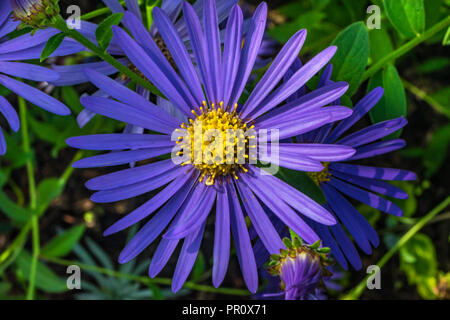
<point x="12" y="210"/>
<point x="302" y="182"/>
<point x="104" y="33"/>
<point x="352" y="55"/>
<point x="407" y="16"/>
<point x="46" y="279"/>
<point x="393" y="103"/>
<point x="62" y="244"/>
<point x="52" y="44"/>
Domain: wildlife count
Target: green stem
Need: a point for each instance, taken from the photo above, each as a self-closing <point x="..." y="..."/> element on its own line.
<point x="61" y="25"/>
<point x="422" y="95"/>
<point x="359" y="289"/>
<point x="146" y="280"/>
<point x="406" y="48"/>
<point x="33" y="199"/>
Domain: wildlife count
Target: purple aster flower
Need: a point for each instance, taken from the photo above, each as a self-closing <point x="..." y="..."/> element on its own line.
<point x="26" y="47"/>
<point x="302" y="270"/>
<point x="363" y="183"/>
<point x="191" y="189"/>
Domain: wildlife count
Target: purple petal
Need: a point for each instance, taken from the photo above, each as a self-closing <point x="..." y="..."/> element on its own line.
<point x="348" y="218"/>
<point x="361" y="108"/>
<point x="378" y="148"/>
<point x="146" y="42"/>
<point x="8" y="111"/>
<point x="119" y="158"/>
<point x="178" y="52"/>
<point x="242" y="242"/>
<point x="320" y="152"/>
<point x="129" y="97"/>
<point x="298" y="80"/>
<point x="232" y="52"/>
<point x="152" y="228"/>
<point x="262" y="224"/>
<point x="133" y="190"/>
<point x="374" y="172"/>
<point x="305" y="104"/>
<point x="373" y="185"/>
<point x="161" y="257"/>
<point x="221" y="254"/>
<point x="296" y="199"/>
<point x="373" y="132"/>
<point x="213" y="49"/>
<point x="188" y="255"/>
<point x="72" y="75"/>
<point x="275" y="73"/>
<point x="366" y="197"/>
<point x="198" y="42"/>
<point x="114" y="5"/>
<point x="133" y="6"/>
<point x="126" y="113"/>
<point x="130" y="176"/>
<point x="120" y="141"/>
<point x="149" y="68"/>
<point x="28" y="71"/>
<point x="190" y="221"/>
<point x="35" y="96"/>
<point x="252" y="44"/>
<point x="264" y="192"/>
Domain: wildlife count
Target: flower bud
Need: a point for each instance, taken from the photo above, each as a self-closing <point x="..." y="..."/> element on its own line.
<point x="35" y="13"/>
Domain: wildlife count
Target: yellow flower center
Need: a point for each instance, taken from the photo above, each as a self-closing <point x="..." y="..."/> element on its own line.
<point x="217" y="142"/>
<point x="322" y="176"/>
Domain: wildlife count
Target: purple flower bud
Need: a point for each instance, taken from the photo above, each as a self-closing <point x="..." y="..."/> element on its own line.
<point x="35" y="13"/>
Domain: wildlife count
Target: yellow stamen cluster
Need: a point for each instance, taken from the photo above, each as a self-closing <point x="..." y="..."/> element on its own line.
<point x="322" y="176"/>
<point x="219" y="154"/>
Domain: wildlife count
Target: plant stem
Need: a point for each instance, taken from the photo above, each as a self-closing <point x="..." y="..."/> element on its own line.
<point x="61" y="25"/>
<point x="406" y="48"/>
<point x="33" y="199"/>
<point x="356" y="292"/>
<point x="422" y="95"/>
<point x="146" y="280"/>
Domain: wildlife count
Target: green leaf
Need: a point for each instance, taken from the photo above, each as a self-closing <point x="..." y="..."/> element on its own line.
<point x="104" y="33"/>
<point x="393" y="103"/>
<point x="418" y="258"/>
<point x="46" y="280"/>
<point x="436" y="152"/>
<point x="352" y="55"/>
<point x="446" y="40"/>
<point x="199" y="267"/>
<point x="434" y="64"/>
<point x="12" y="210"/>
<point x="302" y="182"/>
<point x="62" y="244"/>
<point x="47" y="191"/>
<point x="407" y="16"/>
<point x="71" y="98"/>
<point x="52" y="44"/>
<point x="380" y="44"/>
